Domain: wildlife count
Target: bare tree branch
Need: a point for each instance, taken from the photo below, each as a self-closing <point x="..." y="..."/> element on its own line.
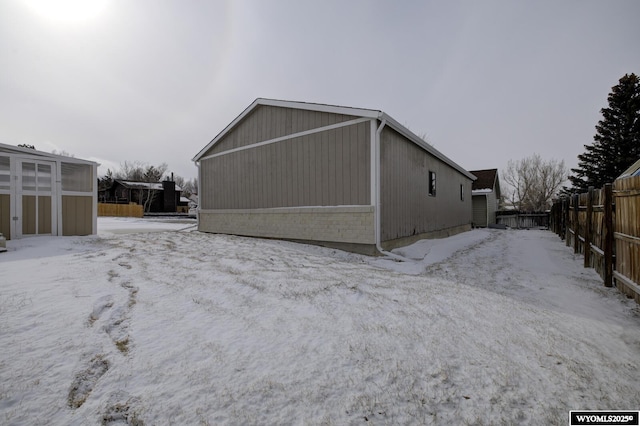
<point x="533" y="182"/>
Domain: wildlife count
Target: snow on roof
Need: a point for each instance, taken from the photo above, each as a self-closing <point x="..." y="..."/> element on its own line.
<point x="482" y="191"/>
<point x="144" y="185"/>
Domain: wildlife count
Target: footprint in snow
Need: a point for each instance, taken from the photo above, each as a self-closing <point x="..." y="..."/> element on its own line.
<point x="86" y="380"/>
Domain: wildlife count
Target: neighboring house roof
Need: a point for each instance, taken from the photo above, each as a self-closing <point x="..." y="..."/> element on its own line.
<point x="633" y="170"/>
<point x="486" y="179"/>
<point x="358" y="112"/>
<point x="143" y="185"/>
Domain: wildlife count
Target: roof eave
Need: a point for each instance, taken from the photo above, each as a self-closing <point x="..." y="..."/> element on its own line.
<point x="37" y="153"/>
<point x="421" y="143"/>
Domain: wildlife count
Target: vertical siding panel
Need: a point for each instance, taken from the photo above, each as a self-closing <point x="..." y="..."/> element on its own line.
<point x="252" y="183"/>
<point x="320" y="168"/>
<point x="289" y="126"/>
<point x="214" y="199"/>
<point x="249" y="195"/>
<point x="231" y="179"/>
<point x="384" y="183"/>
<point x="403" y="209"/>
<point x="237" y="178"/>
<point x="269" y="177"/>
<point x="271" y="129"/>
<point x="228" y="179"/>
<point x="257" y="116"/>
<point x="287" y="157"/>
<point x="315" y="196"/>
<point x="356" y="135"/>
<point x="324" y="180"/>
<point x="253" y="134"/>
<point x="364" y="166"/>
<point x="239" y="136"/>
<point x="290" y="147"/>
<point x="218" y="197"/>
<point x="277" y="193"/>
<point x="305" y="171"/>
<point x="260" y="176"/>
<point x="338" y="142"/>
<point x="277" y="167"/>
<point x="299" y="188"/>
<point x="331" y="158"/>
<point x="282" y="169"/>
<point x="327" y="168"/>
<point x="310" y="170"/>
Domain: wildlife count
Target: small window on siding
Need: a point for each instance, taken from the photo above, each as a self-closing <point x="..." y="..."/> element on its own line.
<point x="461" y="192"/>
<point x="432" y="184"/>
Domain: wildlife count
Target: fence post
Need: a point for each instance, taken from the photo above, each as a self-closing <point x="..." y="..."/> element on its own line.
<point x="565" y="223"/>
<point x="567" y="220"/>
<point x="587" y="229"/>
<point x="576" y="223"/>
<point x="608" y="235"/>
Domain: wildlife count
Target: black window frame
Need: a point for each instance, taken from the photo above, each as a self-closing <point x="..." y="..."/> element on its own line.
<point x="432" y="183"/>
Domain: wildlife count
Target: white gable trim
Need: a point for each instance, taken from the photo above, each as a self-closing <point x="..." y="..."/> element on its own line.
<point x="287" y="137"/>
<point x="358" y="112"/>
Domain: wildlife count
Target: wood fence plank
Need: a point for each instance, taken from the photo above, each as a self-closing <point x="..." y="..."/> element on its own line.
<point x="608" y="235"/>
<point x="576" y="223"/>
<point x="587" y="229"/>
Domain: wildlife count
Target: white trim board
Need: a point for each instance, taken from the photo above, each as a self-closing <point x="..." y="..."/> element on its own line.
<point x="287" y="137"/>
<point x="359" y="112"/>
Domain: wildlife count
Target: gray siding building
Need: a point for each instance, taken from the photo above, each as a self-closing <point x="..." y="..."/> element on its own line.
<point x="46" y="194"/>
<point x="343" y="177"/>
<point x="486" y="197"/>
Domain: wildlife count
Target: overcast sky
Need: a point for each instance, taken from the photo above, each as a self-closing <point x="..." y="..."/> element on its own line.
<point x="156" y="80"/>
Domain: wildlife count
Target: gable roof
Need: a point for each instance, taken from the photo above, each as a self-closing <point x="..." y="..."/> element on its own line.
<point x="486" y="179"/>
<point x="358" y="112"/>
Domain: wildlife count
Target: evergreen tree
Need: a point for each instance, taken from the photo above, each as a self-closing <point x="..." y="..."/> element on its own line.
<point x="616" y="144"/>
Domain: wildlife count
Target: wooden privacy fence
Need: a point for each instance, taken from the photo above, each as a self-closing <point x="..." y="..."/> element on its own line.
<point x="120" y="210"/>
<point x="604" y="226"/>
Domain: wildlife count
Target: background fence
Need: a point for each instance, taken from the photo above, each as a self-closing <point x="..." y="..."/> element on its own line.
<point x="522" y="220"/>
<point x="120" y="210"/>
<point x="604" y="226"/>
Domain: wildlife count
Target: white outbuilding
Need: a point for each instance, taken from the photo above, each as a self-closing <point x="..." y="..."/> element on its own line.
<point x="46" y="194"/>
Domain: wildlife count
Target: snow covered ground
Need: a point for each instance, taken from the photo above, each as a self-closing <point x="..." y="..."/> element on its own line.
<point x="179" y="327"/>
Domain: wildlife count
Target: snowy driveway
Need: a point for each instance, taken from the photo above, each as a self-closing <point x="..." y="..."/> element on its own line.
<point x="487" y="327"/>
